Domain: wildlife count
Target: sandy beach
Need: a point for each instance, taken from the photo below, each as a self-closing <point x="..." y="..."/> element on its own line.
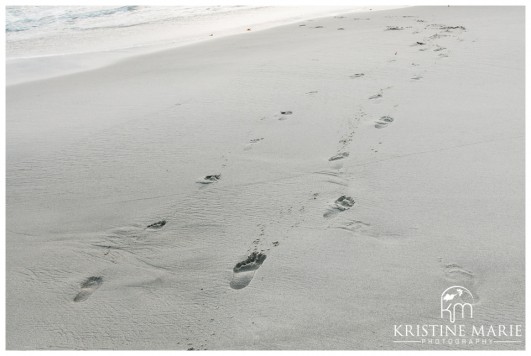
<point x="304" y="187"/>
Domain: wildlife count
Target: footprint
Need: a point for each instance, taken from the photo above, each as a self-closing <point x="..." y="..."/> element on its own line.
<point x="455" y="273"/>
<point x="394" y="28"/>
<point x="209" y="179"/>
<point x="336" y="162"/>
<point x="244" y="270"/>
<point x="383" y="122"/>
<point x="339" y="156"/>
<point x="449" y="28"/>
<point x="249" y="146"/>
<point x="376" y="96"/>
<point x="284" y="114"/>
<point x="341" y="204"/>
<point x="157" y="225"/>
<point x="88" y="287"/>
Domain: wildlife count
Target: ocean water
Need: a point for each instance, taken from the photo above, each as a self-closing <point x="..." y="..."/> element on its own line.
<point x="54" y="30"/>
<point x="34" y="31"/>
<point x="47" y="41"/>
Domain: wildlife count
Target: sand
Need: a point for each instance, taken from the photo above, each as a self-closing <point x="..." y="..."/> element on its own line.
<point x="395" y="171"/>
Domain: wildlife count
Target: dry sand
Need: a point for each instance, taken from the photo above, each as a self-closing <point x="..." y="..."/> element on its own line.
<point x="430" y="139"/>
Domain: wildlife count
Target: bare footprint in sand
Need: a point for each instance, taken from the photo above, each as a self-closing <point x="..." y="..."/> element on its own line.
<point x="394" y="28"/>
<point x="88" y="287"/>
<point x="455" y="273"/>
<point x="376" y="96"/>
<point x="209" y="179"/>
<point x="284" y="115"/>
<point x="339" y="156"/>
<point x="383" y="122"/>
<point x="244" y="270"/>
<point x="336" y="162"/>
<point x="252" y="142"/>
<point x="157" y="225"/>
<point x="458" y="275"/>
<point x="341" y="204"/>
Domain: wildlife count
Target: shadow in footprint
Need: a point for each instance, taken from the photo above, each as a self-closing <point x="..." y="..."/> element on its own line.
<point x="209" y="179"/>
<point x="244" y="270"/>
<point x="336" y="162"/>
<point x="88" y="287"/>
<point x="284" y="115"/>
<point x="341" y="204"/>
<point x="376" y="96"/>
<point x="157" y="225"/>
<point x="383" y="122"/>
<point x="456" y="273"/>
<point x="339" y="156"/>
<point x="252" y="142"/>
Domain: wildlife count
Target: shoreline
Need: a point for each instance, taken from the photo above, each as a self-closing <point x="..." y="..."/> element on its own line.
<point x="20" y="70"/>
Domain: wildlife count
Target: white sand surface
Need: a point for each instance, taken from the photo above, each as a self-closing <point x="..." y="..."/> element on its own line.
<point x="95" y="157"/>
